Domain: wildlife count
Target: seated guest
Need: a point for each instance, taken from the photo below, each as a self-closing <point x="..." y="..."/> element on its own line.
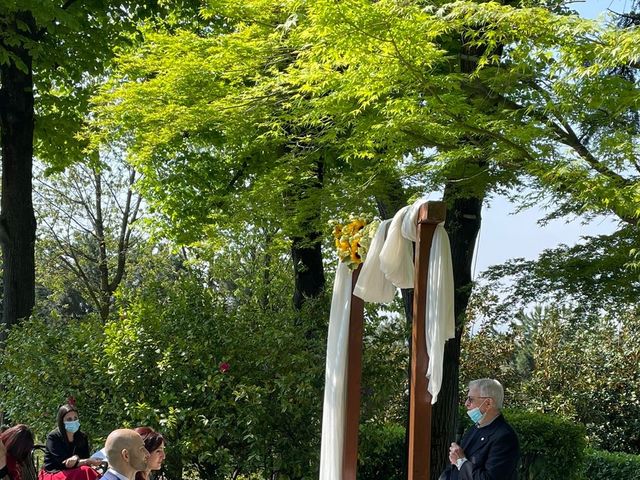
<point x="127" y="455"/>
<point x="16" y="444"/>
<point x="154" y="443"/>
<point x="68" y="449"/>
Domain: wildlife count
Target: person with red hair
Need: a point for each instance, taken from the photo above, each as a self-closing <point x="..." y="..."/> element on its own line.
<point x="154" y="443"/>
<point x="16" y="444"/>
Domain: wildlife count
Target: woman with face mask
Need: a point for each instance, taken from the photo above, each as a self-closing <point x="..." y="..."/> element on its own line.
<point x="68" y="449"/>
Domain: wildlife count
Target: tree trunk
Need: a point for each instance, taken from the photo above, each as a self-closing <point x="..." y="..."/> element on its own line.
<point x="17" y="218"/>
<point x="390" y="198"/>
<point x="463" y="225"/>
<point x="306" y="248"/>
<point x="309" y="271"/>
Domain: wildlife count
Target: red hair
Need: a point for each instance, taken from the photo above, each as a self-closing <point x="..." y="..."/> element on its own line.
<point x="18" y="442"/>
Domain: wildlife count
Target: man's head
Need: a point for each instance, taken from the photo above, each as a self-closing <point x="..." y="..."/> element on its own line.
<point x="126" y="452"/>
<point x="487" y="396"/>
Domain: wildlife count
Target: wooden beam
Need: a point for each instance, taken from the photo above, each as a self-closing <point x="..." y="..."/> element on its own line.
<point x="430" y="214"/>
<point x="354" y="375"/>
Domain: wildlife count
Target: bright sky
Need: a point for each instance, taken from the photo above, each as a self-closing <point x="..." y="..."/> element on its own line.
<point x="594" y="8"/>
<point x="506" y="235"/>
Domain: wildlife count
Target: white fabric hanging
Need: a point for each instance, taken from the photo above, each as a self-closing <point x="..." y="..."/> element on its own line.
<point x="396" y="256"/>
<point x="394" y="266"/>
<point x="373" y="285"/>
<point x="333" y="411"/>
<point x="439" y="313"/>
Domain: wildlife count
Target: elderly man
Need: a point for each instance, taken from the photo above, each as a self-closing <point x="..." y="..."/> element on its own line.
<point x="489" y="450"/>
<point x="126" y="454"/>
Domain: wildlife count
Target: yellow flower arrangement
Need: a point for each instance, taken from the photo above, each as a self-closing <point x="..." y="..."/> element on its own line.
<point x="352" y="240"/>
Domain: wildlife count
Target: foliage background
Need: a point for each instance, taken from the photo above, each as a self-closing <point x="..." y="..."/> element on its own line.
<point x="251" y="125"/>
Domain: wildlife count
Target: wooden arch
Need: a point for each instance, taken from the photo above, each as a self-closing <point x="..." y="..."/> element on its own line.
<point x="419" y="449"/>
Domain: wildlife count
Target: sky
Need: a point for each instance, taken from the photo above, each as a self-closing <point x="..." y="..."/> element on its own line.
<point x="593" y="8"/>
<point x="505" y="234"/>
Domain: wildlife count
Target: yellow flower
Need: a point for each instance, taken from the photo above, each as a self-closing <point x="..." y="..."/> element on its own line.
<point x="352" y="240"/>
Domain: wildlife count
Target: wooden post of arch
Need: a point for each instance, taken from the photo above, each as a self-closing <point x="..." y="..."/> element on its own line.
<point x="430" y="214"/>
<point x="354" y="375"/>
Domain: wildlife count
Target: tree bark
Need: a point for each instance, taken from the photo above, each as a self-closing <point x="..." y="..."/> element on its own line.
<point x="306" y="248"/>
<point x="17" y="218"/>
<point x="390" y="198"/>
<point x="306" y="253"/>
<point x="463" y="225"/>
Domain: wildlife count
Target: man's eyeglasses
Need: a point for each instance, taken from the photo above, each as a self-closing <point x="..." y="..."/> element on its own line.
<point x="472" y="399"/>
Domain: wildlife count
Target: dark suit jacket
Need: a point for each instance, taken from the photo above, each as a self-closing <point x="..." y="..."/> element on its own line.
<point x="492" y="453"/>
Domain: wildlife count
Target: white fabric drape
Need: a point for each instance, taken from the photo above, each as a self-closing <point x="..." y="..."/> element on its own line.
<point x="389" y="264"/>
<point x="333" y="411"/>
<point x="373" y="285"/>
<point x="396" y="256"/>
<point x="439" y="314"/>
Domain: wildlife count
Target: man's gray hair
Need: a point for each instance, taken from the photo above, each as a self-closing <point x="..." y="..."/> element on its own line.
<point x="488" y="387"/>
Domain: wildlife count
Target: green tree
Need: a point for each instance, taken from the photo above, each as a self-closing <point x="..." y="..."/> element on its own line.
<point x="88" y="216"/>
<point x="581" y="366"/>
<point x="51" y="55"/>
<point x="373" y="88"/>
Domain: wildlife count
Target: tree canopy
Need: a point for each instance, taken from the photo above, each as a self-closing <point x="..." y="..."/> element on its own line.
<point x="251" y="125"/>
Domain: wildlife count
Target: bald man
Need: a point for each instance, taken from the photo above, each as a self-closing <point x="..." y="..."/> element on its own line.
<point x="126" y="454"/>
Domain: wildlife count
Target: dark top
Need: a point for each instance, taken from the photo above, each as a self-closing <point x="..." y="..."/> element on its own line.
<point x="492" y="453"/>
<point x="4" y="472"/>
<point x="59" y="449"/>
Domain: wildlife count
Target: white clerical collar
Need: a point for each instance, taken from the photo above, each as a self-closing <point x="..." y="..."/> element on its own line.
<point x="117" y="474"/>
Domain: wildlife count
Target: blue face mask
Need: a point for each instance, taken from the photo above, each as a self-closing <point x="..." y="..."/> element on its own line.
<point x="475" y="414"/>
<point x="72" y="426"/>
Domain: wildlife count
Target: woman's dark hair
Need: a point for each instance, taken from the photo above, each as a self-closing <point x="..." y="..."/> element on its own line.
<point x="62" y="411"/>
<point x="152" y="441"/>
<point x="18" y="441"/>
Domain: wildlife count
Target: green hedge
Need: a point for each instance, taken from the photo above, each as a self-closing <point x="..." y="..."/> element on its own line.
<point x="546" y="444"/>
<point x="600" y="464"/>
<point x="550" y="447"/>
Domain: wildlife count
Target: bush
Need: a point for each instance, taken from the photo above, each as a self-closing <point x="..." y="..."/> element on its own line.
<point x="600" y="464"/>
<point x="47" y="360"/>
<point x="381" y="453"/>
<point x="546" y="444"/>
<point x="550" y="447"/>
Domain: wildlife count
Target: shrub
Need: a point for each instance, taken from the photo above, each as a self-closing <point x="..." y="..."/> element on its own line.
<point x="45" y="361"/>
<point x="546" y="442"/>
<point x="381" y="453"/>
<point x="550" y="447"/>
<point x="600" y="464"/>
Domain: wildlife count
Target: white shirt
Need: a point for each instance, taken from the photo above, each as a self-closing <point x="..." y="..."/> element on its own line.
<point x="119" y="475"/>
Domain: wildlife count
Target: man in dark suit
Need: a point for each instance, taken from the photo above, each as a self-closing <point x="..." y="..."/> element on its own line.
<point x="126" y="454"/>
<point x="489" y="450"/>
